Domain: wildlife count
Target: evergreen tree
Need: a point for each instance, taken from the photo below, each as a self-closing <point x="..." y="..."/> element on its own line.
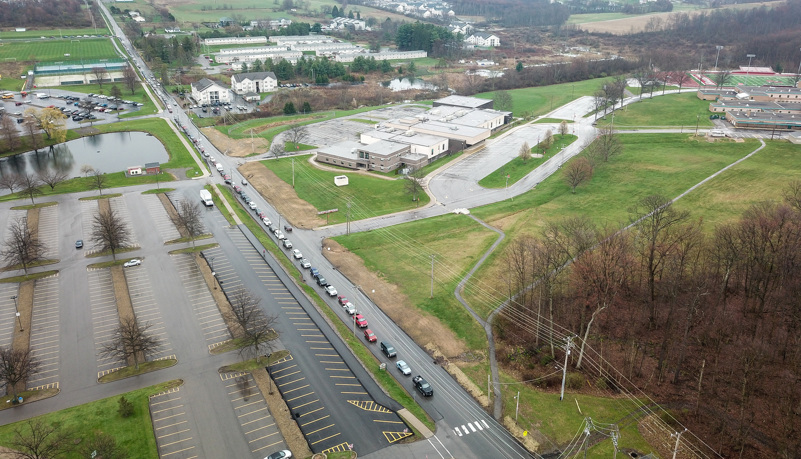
<point x="289" y="109"/>
<point x="306" y="107"/>
<point x="335" y="12"/>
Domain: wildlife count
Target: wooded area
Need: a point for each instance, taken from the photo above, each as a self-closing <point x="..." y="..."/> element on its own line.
<point x="53" y="13"/>
<point x="708" y="322"/>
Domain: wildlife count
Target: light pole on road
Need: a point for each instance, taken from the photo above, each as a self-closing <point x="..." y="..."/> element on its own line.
<point x="717" y="56"/>
<point x="16" y="312"/>
<point x="749" y="56"/>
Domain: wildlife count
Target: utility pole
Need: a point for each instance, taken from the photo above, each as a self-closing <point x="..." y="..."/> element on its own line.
<point x="432" y="276"/>
<point x="564" y="368"/>
<point x="587" y="430"/>
<point x="614" y="443"/>
<point x="678" y="437"/>
<point x="252" y="148"/>
<point x="517" y="406"/>
<point x="293" y="170"/>
<point x="347" y="219"/>
<point x="717" y="56"/>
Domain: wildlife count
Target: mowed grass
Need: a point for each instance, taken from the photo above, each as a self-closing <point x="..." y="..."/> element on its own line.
<point x="542" y="99"/>
<point x="516" y="169"/>
<point x="139" y="95"/>
<point x="756" y="80"/>
<point x="59" y="33"/>
<point x="369" y="196"/>
<point x="763" y="177"/>
<point x="401" y="254"/>
<point x="670" y="110"/>
<point x="666" y="164"/>
<point x="133" y="434"/>
<point x="55" y="50"/>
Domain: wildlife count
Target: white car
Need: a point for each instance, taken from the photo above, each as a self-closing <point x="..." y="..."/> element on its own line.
<point x="279" y="234"/>
<point x="266" y="221"/>
<point x="296" y="253"/>
<point x="134" y="262"/>
<point x="403" y="367"/>
<point x="304" y="263"/>
<point x="330" y="290"/>
<point x="350" y="308"/>
<point x="287" y="244"/>
<point x="252" y="204"/>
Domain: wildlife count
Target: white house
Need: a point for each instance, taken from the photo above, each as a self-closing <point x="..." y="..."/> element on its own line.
<point x="206" y="91"/>
<point x="253" y="82"/>
<point x="483" y="39"/>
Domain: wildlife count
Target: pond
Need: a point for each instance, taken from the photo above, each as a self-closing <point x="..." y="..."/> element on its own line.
<point x="108" y="153"/>
<point x="402" y="84"/>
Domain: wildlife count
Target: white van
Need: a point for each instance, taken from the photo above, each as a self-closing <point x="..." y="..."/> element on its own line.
<point x="717" y="133"/>
<point x="42" y="95"/>
<point x="219" y="167"/>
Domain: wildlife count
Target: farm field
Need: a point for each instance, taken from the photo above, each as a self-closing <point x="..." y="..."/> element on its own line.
<point x="542" y="99"/>
<point x="55" y="50"/>
<point x="36" y="33"/>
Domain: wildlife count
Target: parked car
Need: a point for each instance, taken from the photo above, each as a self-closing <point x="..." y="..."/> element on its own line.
<point x="403" y="367"/>
<point x="285" y="454"/>
<point x="266" y="222"/>
<point x="252" y="204"/>
<point x="321" y="281"/>
<point x="304" y="263"/>
<point x="360" y="321"/>
<point x="423" y="386"/>
<point x="370" y="336"/>
<point x="330" y="290"/>
<point x="237" y="188"/>
<point x="79" y="244"/>
<point x="315" y="272"/>
<point x="297" y="254"/>
<point x="287" y="244"/>
<point x="134" y="262"/>
<point x="279" y="235"/>
<point x="350" y="308"/>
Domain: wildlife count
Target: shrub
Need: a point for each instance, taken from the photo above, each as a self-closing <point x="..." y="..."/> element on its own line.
<point x="574" y="381"/>
<point x="126" y="408"/>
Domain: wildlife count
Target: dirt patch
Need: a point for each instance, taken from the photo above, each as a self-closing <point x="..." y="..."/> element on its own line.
<point x="122" y="297"/>
<point x="283" y="417"/>
<point x="461" y="378"/>
<point x="22" y="339"/>
<point x="424" y="329"/>
<point x="33" y="221"/>
<point x="281" y="195"/>
<point x="238" y="148"/>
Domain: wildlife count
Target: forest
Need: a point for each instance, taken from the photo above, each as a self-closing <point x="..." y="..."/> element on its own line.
<point x="52" y="13"/>
<point x="515" y="13"/>
<point x="709" y="319"/>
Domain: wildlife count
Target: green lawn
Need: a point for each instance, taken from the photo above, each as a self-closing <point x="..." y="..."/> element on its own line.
<point x="78" y="184"/>
<point x="763" y="177"/>
<point x="133" y="434"/>
<point x="756" y="80"/>
<point x="542" y="99"/>
<point x="36" y="33"/>
<point x="401" y="254"/>
<point x="672" y="110"/>
<point x="370" y="196"/>
<point x="54" y="50"/>
<point x="139" y="95"/>
<point x="666" y="164"/>
<point x="289" y="146"/>
<point x="516" y="169"/>
<point x="13" y="82"/>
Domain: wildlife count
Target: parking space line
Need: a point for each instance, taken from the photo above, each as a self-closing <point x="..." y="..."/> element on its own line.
<point x="297" y="388"/>
<point x="326" y="438"/>
<point x="312" y="411"/>
<point x="265" y="446"/>
<point x="300" y="396"/>
<point x="307" y="403"/>
<point x="318" y="419"/>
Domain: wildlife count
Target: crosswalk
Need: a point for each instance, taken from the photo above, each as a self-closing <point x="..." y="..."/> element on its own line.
<point x="470" y="427"/>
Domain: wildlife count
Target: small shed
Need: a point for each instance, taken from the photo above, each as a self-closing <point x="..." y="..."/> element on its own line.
<point x="341" y="180"/>
<point x="152" y="168"/>
<point x="136" y="170"/>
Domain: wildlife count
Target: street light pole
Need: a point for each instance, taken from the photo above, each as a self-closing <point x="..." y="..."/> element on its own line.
<point x="717" y="56"/>
<point x="749" y="56"/>
<point x="798" y="72"/>
<point x="270" y="373"/>
<point x="16" y="312"/>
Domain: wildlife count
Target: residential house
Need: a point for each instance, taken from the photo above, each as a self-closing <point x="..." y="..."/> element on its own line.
<point x="207" y="91"/>
<point x="253" y="82"/>
<point x="483" y="39"/>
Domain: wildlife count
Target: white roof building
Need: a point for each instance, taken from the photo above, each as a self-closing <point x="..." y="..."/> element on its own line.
<point x="483" y="39"/>
<point x="255" y="82"/>
<point x="206" y="91"/>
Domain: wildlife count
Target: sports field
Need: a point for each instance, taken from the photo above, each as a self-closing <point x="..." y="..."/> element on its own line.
<point x="53" y="33"/>
<point x="55" y="50"/>
<point x="756" y="80"/>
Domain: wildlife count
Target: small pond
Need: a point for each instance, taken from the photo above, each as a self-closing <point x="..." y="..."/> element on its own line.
<point x="113" y="152"/>
<point x="402" y="84"/>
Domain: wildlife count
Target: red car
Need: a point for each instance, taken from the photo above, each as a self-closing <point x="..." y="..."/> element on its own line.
<point x="342" y="300"/>
<point x="361" y="321"/>
<point x="370" y="336"/>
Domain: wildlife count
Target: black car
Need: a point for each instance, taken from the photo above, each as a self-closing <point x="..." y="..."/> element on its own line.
<point x="321" y="281"/>
<point x="423" y="386"/>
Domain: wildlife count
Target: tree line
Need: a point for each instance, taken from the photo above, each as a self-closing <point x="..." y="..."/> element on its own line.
<point x="710" y="318"/>
<point x="53" y="13"/>
<point x="515" y="13"/>
<point x="428" y="37"/>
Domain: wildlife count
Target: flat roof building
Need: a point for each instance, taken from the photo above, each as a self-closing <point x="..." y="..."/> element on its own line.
<point x="464" y="101"/>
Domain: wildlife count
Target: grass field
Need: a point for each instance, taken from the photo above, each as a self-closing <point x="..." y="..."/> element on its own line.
<point x="672" y="110"/>
<point x="60" y="33"/>
<point x="133" y="434"/>
<point x="756" y="80"/>
<point x="370" y="196"/>
<point x="54" y="50"/>
<point x="408" y="265"/>
<point x="516" y="169"/>
<point x="542" y="99"/>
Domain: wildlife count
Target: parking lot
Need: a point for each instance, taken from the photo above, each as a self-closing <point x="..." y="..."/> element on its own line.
<point x="45" y="336"/>
<point x="105" y="318"/>
<point x="160" y="219"/>
<point x="171" y="426"/>
<point x="48" y="230"/>
<point x="7" y="310"/>
<point x="203" y="305"/>
<point x="146" y="309"/>
<point x="257" y="424"/>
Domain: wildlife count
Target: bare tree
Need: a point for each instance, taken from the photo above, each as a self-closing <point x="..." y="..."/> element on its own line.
<point x="502" y="100"/>
<point x="22" y="247"/>
<point x="10" y="181"/>
<point x="187" y="218"/>
<point x="277" y="149"/>
<point x="104" y="446"/>
<point x="563" y="129"/>
<point x="31" y="126"/>
<point x="577" y="172"/>
<point x="547" y="142"/>
<point x="130" y="78"/>
<point x="36" y="439"/>
<point x="115" y="91"/>
<point x="792" y="195"/>
<point x="722" y="78"/>
<point x="8" y="130"/>
<point x="599" y="102"/>
<point x="86" y="170"/>
<point x="680" y="77"/>
<point x="97" y="179"/>
<point x="607" y="144"/>
<point x="52" y="177"/>
<point x="110" y="232"/>
<point x="297" y="134"/>
<point x="132" y="342"/>
<point x="643" y="77"/>
<point x="16" y="366"/>
<point x="619" y="85"/>
<point x="257" y="326"/>
<point x="414" y="184"/>
<point x="30" y="185"/>
<point x="100" y="74"/>
<point x="525" y="152"/>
